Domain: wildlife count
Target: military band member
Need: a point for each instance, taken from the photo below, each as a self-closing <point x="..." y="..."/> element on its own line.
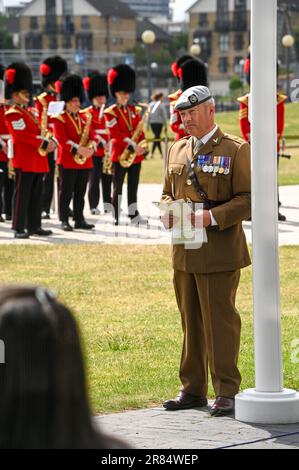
<point x="121" y="120"/>
<point x="28" y="148"/>
<point x="76" y="139"/>
<point x="96" y="87"/>
<point x="212" y="168"/>
<point x="244" y="119"/>
<point x="189" y="72"/>
<point x="51" y="70"/>
<point x="6" y="183"/>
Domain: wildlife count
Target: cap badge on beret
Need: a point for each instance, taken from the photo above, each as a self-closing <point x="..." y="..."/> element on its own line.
<point x="193" y="98"/>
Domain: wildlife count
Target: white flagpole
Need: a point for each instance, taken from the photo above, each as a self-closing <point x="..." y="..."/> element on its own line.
<point x="268" y="402"/>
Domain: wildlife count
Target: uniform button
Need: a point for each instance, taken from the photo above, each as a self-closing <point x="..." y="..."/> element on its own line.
<point x="189" y="182"/>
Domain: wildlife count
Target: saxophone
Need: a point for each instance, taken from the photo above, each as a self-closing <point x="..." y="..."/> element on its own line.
<point x="84" y="141"/>
<point x="45" y="133"/>
<point x="107" y="163"/>
<point x="127" y="157"/>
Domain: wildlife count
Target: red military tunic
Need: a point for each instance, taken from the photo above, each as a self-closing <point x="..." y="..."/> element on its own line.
<point x="121" y="123"/>
<point x="68" y="131"/>
<point x="244" y="117"/>
<point x="4" y="134"/>
<point x="25" y="133"/>
<point x="100" y="130"/>
<point x="176" y="124"/>
<point x="39" y="106"/>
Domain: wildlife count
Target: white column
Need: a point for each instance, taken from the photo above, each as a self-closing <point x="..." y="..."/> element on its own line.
<point x="268" y="402"/>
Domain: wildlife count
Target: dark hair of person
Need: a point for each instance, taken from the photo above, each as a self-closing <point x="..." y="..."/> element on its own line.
<point x="44" y="402"/>
<point x="157" y="96"/>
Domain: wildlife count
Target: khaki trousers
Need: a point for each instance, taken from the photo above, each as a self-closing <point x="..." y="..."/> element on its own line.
<point x="211" y="327"/>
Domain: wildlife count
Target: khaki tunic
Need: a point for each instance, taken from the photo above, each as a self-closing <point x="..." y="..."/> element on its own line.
<point x="226" y="249"/>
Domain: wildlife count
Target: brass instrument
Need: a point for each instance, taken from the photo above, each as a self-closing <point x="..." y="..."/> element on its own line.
<point x="107" y="163"/>
<point x="45" y="133"/>
<point x="127" y="157"/>
<point x="84" y="141"/>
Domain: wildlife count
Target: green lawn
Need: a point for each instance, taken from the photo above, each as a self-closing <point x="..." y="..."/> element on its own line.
<point x="123" y="299"/>
<point x="229" y="122"/>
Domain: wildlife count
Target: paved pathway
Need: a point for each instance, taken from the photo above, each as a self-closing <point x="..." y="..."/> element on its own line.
<point x="105" y="232"/>
<point x="157" y="428"/>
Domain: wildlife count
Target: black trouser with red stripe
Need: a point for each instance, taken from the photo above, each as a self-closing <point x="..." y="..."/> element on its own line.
<point x="96" y="174"/>
<point x="118" y="177"/>
<point x="72" y="183"/>
<point x="48" y="184"/>
<point x="27" y="201"/>
<point x="6" y="190"/>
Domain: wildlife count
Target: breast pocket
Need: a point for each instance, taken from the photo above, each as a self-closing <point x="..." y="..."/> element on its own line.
<point x="220" y="187"/>
<point x="177" y="178"/>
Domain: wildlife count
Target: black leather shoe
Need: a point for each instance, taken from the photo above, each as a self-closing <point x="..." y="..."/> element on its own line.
<point x="84" y="225"/>
<point x="1" y="219"/>
<point x="66" y="227"/>
<point x="222" y="406"/>
<point x="41" y="232"/>
<point x="46" y="216"/>
<point x="116" y="222"/>
<point x="184" y="401"/>
<point x="281" y="217"/>
<point x="21" y="235"/>
<point x="8" y="218"/>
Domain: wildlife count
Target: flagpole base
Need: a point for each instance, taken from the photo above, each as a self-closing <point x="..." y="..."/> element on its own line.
<point x="266" y="407"/>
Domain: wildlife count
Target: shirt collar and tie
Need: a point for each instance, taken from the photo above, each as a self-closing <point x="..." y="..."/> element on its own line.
<point x="198" y="143"/>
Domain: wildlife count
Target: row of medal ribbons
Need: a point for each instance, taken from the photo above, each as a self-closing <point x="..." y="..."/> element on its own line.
<point x="214" y="164"/>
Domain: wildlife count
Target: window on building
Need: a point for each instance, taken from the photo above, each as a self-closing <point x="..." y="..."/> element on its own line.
<point x="68" y="25"/>
<point x="33" y="22"/>
<point x="50" y="7"/>
<point x="84" y="42"/>
<point x="52" y="42"/>
<point x="224" y="42"/>
<point x="240" y="15"/>
<point x="67" y="7"/>
<point x="85" y="22"/>
<point x="66" y="41"/>
<point x="33" y="41"/>
<point x="223" y="65"/>
<point x="222" y="11"/>
<point x="238" y="65"/>
<point x="239" y="41"/>
<point x="205" y="42"/>
<point x="203" y="20"/>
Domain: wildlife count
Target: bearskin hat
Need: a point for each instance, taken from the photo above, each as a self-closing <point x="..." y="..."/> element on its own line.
<point x="177" y="65"/>
<point x="18" y="77"/>
<point x="51" y="69"/>
<point x="121" y="78"/>
<point x="72" y="87"/>
<point x="96" y="85"/>
<point x="193" y="72"/>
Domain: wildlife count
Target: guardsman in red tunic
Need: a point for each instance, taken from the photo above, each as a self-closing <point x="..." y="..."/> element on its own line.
<point x="74" y="133"/>
<point x="51" y="70"/>
<point x="244" y="118"/>
<point x="29" y="152"/>
<point x="189" y="72"/>
<point x="121" y="120"/>
<point x="6" y="183"/>
<point x="96" y="87"/>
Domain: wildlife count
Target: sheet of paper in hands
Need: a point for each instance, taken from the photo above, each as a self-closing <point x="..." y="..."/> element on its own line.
<point x="183" y="232"/>
<point x="56" y="107"/>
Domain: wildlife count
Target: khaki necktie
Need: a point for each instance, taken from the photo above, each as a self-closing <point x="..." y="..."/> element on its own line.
<point x="197" y="144"/>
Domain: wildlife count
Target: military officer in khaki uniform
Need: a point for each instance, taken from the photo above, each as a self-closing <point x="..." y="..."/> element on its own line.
<point x="212" y="168"/>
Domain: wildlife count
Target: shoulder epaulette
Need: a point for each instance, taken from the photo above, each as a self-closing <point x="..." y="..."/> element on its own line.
<point x="234" y="138"/>
<point x="281" y="98"/>
<point x="174" y="96"/>
<point x="58" y="116"/>
<point x="13" y="110"/>
<point x="111" y="110"/>
<point x="243" y="99"/>
<point x="41" y="97"/>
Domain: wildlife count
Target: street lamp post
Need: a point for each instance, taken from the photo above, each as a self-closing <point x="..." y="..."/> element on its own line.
<point x="148" y="38"/>
<point x="288" y="42"/>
